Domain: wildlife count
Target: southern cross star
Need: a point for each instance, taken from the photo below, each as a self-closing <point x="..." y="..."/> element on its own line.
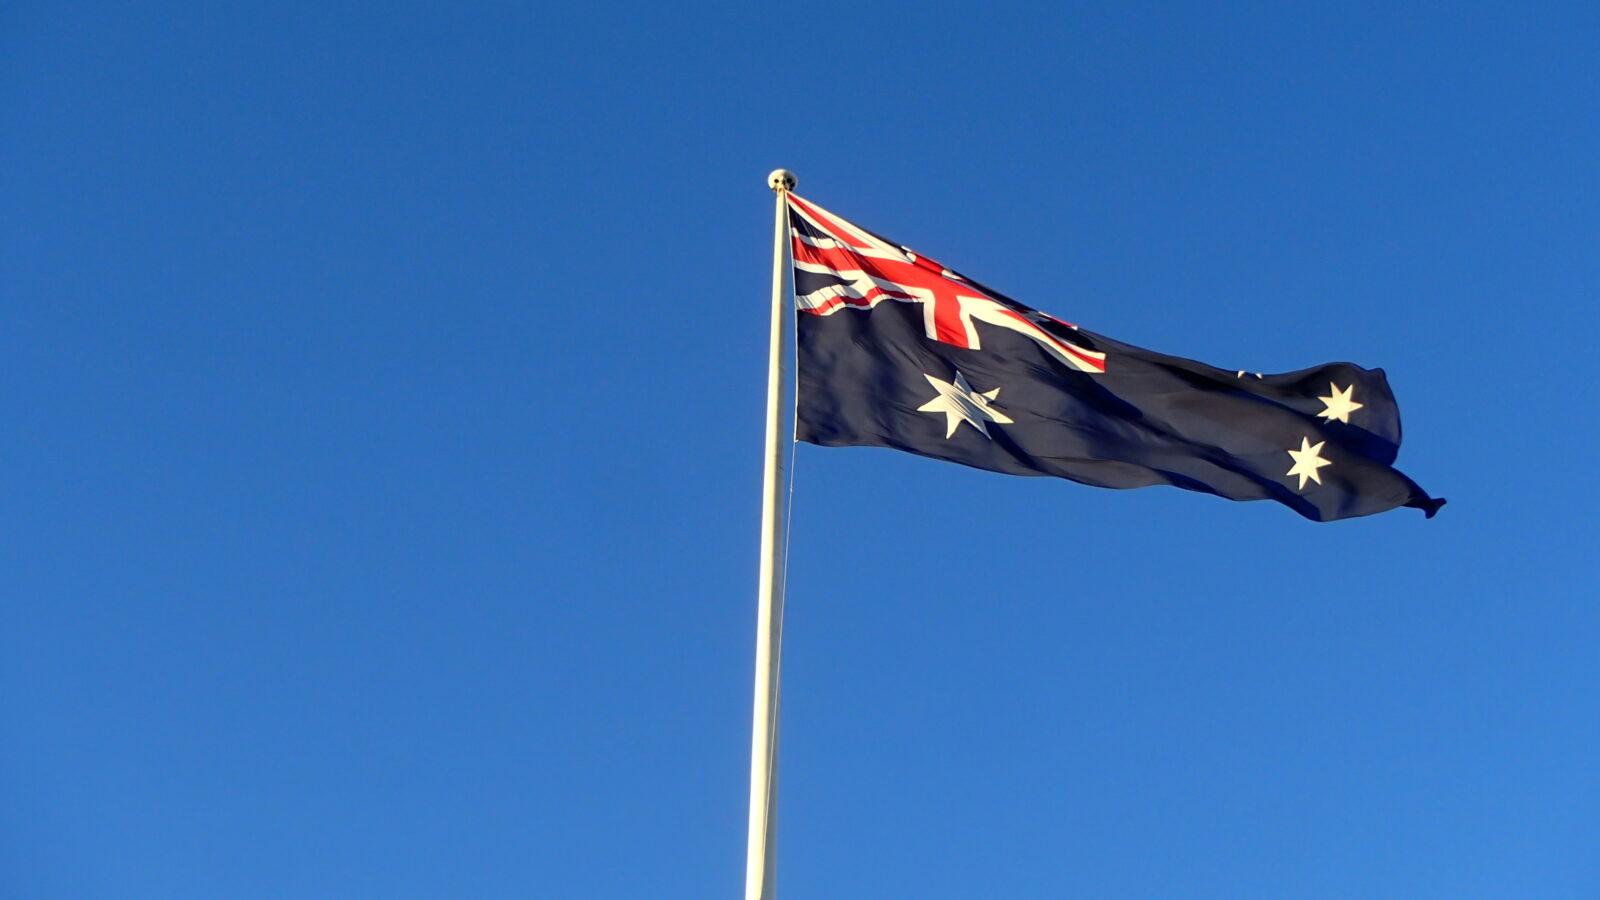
<point x="1338" y="405"/>
<point x="960" y="403"/>
<point x="1307" y="460"/>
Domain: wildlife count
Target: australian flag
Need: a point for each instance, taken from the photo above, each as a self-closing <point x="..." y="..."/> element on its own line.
<point x="895" y="350"/>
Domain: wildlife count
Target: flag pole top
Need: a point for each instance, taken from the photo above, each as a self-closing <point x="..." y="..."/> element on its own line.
<point x="782" y="180"/>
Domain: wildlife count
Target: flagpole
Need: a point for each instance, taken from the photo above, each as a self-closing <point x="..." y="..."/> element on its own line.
<point x="760" y="849"/>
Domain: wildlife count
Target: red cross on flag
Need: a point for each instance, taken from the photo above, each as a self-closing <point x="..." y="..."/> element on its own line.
<point x="866" y="270"/>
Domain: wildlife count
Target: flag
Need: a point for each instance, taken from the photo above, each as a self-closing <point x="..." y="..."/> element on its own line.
<point x="896" y="350"/>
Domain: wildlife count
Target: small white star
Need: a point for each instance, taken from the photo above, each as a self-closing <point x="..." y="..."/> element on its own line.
<point x="1338" y="404"/>
<point x="1307" y="460"/>
<point x="960" y="403"/>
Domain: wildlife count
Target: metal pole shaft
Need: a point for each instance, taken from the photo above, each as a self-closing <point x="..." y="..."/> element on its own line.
<point x="759" y="878"/>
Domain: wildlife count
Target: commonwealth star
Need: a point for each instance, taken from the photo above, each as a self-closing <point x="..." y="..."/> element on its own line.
<point x="960" y="403"/>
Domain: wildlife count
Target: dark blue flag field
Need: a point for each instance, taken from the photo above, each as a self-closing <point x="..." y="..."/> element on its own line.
<point x="895" y="350"/>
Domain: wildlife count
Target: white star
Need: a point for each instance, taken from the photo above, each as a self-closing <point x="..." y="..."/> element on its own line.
<point x="960" y="403"/>
<point x="1307" y="460"/>
<point x="1338" y="403"/>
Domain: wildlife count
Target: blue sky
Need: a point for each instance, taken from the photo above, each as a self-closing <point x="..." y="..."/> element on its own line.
<point x="381" y="454"/>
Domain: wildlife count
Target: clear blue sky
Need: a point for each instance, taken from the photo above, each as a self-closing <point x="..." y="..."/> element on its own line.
<point x="380" y="453"/>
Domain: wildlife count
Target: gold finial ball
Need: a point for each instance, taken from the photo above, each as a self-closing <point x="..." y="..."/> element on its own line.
<point x="782" y="180"/>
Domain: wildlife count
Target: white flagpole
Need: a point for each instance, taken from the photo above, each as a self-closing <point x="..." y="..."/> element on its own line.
<point x="760" y="850"/>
